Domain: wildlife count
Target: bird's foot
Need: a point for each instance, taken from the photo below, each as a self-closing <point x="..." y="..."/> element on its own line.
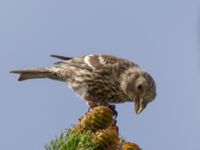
<point x="113" y="108"/>
<point x="91" y="105"/>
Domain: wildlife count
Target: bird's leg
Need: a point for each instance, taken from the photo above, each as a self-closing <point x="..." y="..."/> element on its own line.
<point x="91" y="102"/>
<point x="113" y="108"/>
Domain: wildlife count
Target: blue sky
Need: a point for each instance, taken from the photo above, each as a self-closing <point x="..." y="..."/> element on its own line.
<point x="161" y="36"/>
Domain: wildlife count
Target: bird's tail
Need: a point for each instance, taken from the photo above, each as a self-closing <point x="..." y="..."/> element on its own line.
<point x="32" y="73"/>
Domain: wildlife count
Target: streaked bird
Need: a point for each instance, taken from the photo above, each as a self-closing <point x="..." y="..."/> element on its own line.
<point x="100" y="79"/>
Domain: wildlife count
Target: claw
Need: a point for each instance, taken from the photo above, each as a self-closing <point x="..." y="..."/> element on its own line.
<point x="113" y="108"/>
<point x="91" y="105"/>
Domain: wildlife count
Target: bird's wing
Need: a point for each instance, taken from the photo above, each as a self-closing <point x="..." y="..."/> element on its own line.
<point x="93" y="62"/>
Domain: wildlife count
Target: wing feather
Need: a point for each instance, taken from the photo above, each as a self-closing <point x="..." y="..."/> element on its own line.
<point x="93" y="62"/>
<point x="61" y="57"/>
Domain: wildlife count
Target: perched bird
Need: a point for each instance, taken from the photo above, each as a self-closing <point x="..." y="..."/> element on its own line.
<point x="100" y="79"/>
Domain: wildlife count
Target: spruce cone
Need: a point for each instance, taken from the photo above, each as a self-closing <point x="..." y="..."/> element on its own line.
<point x="107" y="139"/>
<point x="97" y="118"/>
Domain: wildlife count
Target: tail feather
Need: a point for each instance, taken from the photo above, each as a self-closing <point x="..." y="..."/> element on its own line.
<point x="31" y="74"/>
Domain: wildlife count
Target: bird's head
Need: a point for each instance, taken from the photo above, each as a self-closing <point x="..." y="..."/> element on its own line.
<point x="140" y="88"/>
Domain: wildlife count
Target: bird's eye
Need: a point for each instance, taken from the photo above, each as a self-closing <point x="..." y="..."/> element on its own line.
<point x="140" y="88"/>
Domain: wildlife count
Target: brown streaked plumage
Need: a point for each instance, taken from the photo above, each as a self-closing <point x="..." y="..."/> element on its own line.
<point x="100" y="79"/>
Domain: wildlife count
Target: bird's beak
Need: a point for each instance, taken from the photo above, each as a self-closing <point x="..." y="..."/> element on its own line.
<point x="139" y="105"/>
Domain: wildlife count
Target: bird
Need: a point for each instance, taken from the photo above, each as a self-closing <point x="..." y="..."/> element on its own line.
<point x="100" y="79"/>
